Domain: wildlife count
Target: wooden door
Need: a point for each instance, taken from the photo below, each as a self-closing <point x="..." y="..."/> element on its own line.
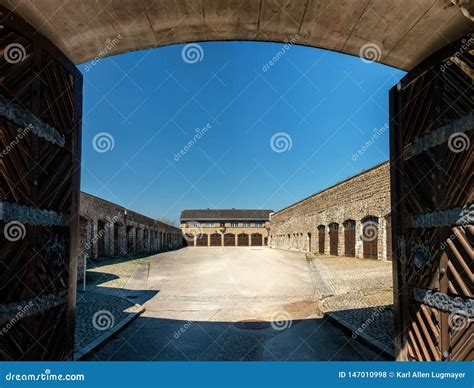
<point x="257" y="239"/>
<point x="370" y="231"/>
<point x="40" y="141"/>
<point x="333" y="238"/>
<point x="321" y="238"/>
<point x="349" y="238"/>
<point x="388" y="226"/>
<point x="432" y="138"/>
<point x="229" y="240"/>
<point x="243" y="240"/>
<point x="215" y="240"/>
<point x="201" y="240"/>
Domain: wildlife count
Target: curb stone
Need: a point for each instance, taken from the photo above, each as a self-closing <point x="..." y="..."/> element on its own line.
<point x="364" y="337"/>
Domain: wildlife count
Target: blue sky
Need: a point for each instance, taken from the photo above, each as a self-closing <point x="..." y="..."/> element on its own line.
<point x="317" y="108"/>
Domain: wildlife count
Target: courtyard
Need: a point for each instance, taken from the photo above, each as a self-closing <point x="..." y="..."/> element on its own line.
<point x="233" y="303"/>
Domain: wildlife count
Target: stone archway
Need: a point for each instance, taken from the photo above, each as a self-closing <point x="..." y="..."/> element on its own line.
<point x="403" y="40"/>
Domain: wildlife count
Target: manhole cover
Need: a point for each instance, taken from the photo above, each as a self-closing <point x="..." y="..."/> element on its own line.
<point x="252" y="325"/>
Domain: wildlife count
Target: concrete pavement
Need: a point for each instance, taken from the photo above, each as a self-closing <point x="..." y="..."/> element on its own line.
<point x="231" y="304"/>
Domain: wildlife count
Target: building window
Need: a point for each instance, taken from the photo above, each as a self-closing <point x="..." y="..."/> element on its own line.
<point x="194" y="224"/>
<point x="234" y="224"/>
<point x="246" y="225"/>
<point x="258" y="225"/>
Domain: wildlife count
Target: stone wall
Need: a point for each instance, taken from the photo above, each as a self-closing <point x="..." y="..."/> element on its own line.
<point x="360" y="203"/>
<point x="109" y="230"/>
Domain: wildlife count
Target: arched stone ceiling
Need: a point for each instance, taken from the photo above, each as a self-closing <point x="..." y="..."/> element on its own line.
<point x="407" y="31"/>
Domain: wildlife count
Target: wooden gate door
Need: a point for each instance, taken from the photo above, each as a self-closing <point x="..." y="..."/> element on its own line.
<point x="321" y="238"/>
<point x="370" y="232"/>
<point x="333" y="238"/>
<point x="431" y="129"/>
<point x="349" y="238"/>
<point x="40" y="146"/>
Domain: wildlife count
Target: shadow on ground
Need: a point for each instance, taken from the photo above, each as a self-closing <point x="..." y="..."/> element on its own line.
<point x="101" y="311"/>
<point x="179" y="340"/>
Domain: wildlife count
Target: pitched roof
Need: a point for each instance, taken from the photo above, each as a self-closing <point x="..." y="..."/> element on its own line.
<point x="225" y="215"/>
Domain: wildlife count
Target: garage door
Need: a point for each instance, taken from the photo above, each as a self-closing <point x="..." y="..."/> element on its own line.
<point x="229" y="240"/>
<point x="257" y="239"/>
<point x="333" y="238"/>
<point x="370" y="237"/>
<point x="349" y="238"/>
<point x="243" y="240"/>
<point x="321" y="238"/>
<point x="201" y="240"/>
<point x="216" y="240"/>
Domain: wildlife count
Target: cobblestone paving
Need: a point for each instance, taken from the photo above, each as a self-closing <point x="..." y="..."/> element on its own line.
<point x="357" y="293"/>
<point x="96" y="313"/>
<point x="106" y="295"/>
<point x="341" y="275"/>
<point x="367" y="314"/>
<point x="112" y="273"/>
